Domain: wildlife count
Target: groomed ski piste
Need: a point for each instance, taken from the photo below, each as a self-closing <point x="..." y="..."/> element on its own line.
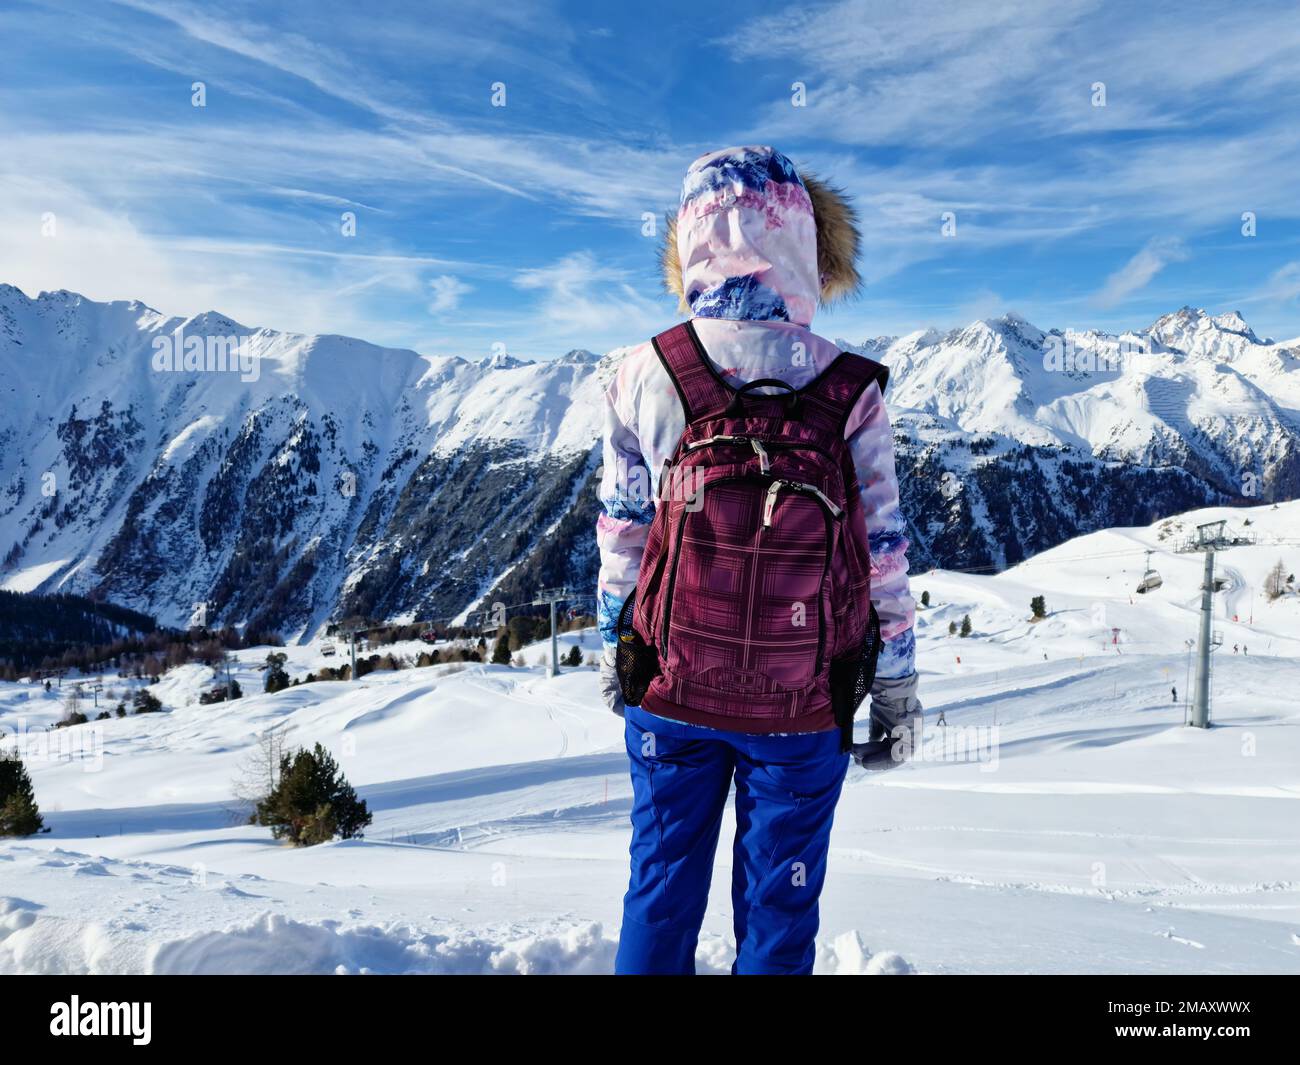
<point x="1061" y="819"/>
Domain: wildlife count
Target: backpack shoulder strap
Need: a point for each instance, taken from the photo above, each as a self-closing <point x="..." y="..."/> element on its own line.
<point x="830" y="399"/>
<point x="699" y="385"/>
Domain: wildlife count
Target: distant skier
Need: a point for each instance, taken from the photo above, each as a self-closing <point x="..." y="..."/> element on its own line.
<point x="1245" y="650"/>
<point x="746" y="671"/>
<point x="1175" y="691"/>
<point x="1234" y="648"/>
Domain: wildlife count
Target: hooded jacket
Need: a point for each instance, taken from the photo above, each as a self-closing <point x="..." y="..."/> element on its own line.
<point x="753" y="248"/>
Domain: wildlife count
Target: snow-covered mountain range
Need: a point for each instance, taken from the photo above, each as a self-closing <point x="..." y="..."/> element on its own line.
<point x="1011" y="439"/>
<point x="327" y="476"/>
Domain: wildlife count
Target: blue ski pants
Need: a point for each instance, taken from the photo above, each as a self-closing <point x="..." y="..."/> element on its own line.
<point x="786" y="790"/>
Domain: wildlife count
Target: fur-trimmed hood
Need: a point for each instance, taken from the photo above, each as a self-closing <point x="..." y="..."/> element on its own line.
<point x="753" y="240"/>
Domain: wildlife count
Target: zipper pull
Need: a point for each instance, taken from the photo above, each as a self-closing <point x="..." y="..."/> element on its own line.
<point x="813" y="490"/>
<point x="836" y="512"/>
<point x="764" y="465"/>
<point x="769" y="503"/>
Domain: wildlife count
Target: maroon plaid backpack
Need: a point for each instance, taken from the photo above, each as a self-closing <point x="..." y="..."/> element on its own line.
<point x="752" y="610"/>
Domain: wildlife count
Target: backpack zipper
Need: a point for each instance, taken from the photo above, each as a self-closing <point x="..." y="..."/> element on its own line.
<point x="769" y="505"/>
<point x="796" y="486"/>
<point x="761" y="447"/>
<point x="765" y="468"/>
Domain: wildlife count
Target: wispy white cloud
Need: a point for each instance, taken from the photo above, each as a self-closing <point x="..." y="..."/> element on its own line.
<point x="104" y="254"/>
<point x="930" y="72"/>
<point x="944" y="73"/>
<point x="1283" y="285"/>
<point x="1138" y="272"/>
<point x="581" y="297"/>
<point x="447" y="293"/>
<point x="329" y="70"/>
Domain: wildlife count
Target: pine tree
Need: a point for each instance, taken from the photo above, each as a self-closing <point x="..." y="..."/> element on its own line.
<point x="276" y="677"/>
<point x="146" y="702"/>
<point x="501" y="652"/>
<point x="965" y="625"/>
<point x="952" y="628"/>
<point x="1038" y="605"/>
<point x="19" y="814"/>
<point x="925" y="598"/>
<point x="312" y="802"/>
<point x="574" y="657"/>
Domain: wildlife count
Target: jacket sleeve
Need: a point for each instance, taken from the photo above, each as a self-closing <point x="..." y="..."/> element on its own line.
<point x="872" y="447"/>
<point x="626" y="510"/>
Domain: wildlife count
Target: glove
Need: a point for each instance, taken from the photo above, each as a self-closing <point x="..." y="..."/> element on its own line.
<point x="610" y="688"/>
<point x="896" y="725"/>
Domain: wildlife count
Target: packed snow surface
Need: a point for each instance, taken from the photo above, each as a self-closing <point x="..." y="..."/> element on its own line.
<point x="1060" y="819"/>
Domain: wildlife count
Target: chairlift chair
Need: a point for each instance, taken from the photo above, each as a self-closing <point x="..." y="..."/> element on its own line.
<point x="1151" y="580"/>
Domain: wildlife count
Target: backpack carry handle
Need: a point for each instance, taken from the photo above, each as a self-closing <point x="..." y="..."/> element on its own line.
<point x="736" y="408"/>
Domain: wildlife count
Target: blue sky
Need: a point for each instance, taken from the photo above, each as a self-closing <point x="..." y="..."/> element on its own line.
<point x="522" y="225"/>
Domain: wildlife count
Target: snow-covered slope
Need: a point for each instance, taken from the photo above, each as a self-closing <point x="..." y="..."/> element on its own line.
<point x="337" y="477"/>
<point x="1061" y="819"/>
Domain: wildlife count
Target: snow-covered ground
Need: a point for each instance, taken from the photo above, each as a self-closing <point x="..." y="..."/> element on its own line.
<point x="1061" y="819"/>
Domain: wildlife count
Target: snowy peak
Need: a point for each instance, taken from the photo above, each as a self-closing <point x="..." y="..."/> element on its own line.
<point x="872" y="349"/>
<point x="579" y="357"/>
<point x="212" y="323"/>
<point x="988" y="376"/>
<point x="1233" y="322"/>
<point x="1194" y="332"/>
<point x="501" y="360"/>
<point x="1010" y="332"/>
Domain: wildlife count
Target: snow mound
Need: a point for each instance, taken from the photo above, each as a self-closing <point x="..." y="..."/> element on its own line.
<point x="274" y="943"/>
<point x="846" y="955"/>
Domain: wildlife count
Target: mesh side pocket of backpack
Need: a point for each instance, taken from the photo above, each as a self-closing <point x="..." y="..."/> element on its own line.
<point x="635" y="661"/>
<point x="851" y="677"/>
